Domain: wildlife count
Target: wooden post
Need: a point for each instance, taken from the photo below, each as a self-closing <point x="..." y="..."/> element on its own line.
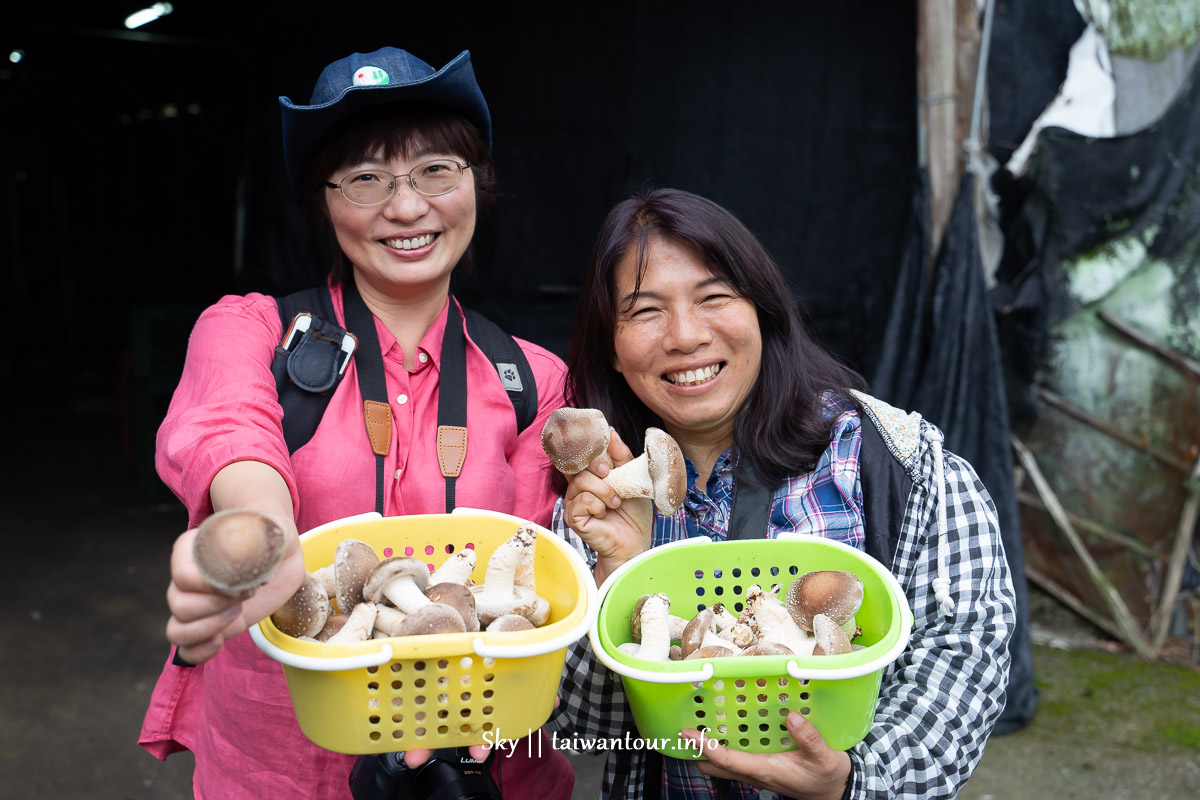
<point x="948" y="39"/>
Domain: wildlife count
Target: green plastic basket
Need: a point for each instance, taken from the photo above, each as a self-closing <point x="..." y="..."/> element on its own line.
<point x="743" y="702"/>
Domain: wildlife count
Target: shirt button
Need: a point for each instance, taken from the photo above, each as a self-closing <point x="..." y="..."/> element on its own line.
<point x="422" y="357"/>
<point x="402" y="399"/>
<point x="398" y="473"/>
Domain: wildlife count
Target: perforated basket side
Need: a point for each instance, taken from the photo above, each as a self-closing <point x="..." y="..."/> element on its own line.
<point x="744" y="701"/>
<point x="442" y="690"/>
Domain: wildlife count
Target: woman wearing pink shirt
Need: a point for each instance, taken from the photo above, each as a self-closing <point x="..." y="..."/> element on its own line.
<point x="393" y="160"/>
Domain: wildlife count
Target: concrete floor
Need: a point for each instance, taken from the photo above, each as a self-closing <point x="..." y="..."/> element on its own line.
<point x="85" y="562"/>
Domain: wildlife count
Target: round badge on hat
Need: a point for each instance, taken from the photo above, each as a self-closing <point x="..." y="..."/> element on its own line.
<point x="371" y="76"/>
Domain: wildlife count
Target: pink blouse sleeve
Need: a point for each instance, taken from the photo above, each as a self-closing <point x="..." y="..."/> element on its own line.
<point x="225" y="407"/>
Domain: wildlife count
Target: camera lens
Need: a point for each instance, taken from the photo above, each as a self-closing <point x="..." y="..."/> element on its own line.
<point x="450" y="774"/>
<point x="454" y="777"/>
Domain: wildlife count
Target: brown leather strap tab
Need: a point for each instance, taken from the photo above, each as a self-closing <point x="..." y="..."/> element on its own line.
<point x="379" y="425"/>
<point x="452" y="449"/>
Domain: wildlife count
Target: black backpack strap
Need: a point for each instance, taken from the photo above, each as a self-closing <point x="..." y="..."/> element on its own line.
<point x="751" y="508"/>
<point x="377" y="412"/>
<point x="452" y="402"/>
<point x="511" y="364"/>
<point x="307" y="366"/>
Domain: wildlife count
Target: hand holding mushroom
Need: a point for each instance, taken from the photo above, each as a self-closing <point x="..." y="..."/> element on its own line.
<point x="234" y="569"/>
<point x="581" y="445"/>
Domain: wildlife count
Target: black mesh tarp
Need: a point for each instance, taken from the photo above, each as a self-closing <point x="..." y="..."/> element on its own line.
<point x="942" y="358"/>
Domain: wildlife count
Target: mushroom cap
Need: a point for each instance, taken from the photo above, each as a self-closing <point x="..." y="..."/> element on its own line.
<point x="432" y="618"/>
<point x="767" y="649"/>
<point x="237" y="550"/>
<point x="831" y="640"/>
<point x="574" y="437"/>
<point x="332" y="626"/>
<point x="712" y="651"/>
<point x="693" y="632"/>
<point x="388" y="570"/>
<point x="668" y="473"/>
<point x="353" y="560"/>
<point x="459" y="598"/>
<point x="635" y="619"/>
<point x="358" y="625"/>
<point x="837" y="594"/>
<point x="305" y="612"/>
<point x="510" y="622"/>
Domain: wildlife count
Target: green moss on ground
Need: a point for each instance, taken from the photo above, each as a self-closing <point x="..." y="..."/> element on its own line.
<point x="1119" y="699"/>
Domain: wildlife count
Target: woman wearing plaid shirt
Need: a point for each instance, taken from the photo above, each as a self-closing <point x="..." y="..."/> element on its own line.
<point x="688" y="324"/>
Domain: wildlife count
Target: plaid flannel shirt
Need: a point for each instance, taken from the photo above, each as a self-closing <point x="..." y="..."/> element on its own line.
<point x="941" y="697"/>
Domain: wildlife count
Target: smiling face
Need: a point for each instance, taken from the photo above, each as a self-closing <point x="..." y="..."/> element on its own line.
<point x="688" y="346"/>
<point x="409" y="243"/>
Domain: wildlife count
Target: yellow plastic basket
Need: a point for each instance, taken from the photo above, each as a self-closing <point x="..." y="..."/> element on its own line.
<point x="441" y="690"/>
<point x="743" y="702"/>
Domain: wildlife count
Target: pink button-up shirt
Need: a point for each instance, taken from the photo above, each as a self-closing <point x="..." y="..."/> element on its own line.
<point x="234" y="712"/>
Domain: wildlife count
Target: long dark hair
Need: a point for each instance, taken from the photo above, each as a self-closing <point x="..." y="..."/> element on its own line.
<point x="397" y="129"/>
<point x="781" y="429"/>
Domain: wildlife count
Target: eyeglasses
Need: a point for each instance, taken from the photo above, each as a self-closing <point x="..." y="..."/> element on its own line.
<point x="370" y="187"/>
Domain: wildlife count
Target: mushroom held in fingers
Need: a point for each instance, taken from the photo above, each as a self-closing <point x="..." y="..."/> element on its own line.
<point x="658" y="474"/>
<point x="574" y="437"/>
<point x="353" y="561"/>
<point x="837" y="594"/>
<point x="236" y="550"/>
<point x="306" y="611"/>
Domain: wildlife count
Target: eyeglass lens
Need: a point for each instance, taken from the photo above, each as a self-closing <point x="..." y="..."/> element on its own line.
<point x="376" y="185"/>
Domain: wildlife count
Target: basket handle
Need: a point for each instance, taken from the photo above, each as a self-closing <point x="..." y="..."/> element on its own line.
<point x="483" y="650"/>
<point x="320" y="664"/>
<point x="703" y="674"/>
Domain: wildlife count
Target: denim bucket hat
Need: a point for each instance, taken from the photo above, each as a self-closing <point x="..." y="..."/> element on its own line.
<point x="387" y="75"/>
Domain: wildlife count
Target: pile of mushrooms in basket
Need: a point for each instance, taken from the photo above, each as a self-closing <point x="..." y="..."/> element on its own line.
<point x="361" y="596"/>
<point x="815" y="617"/>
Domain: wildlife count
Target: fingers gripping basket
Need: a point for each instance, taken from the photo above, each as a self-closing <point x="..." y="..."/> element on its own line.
<point x="440" y="690"/>
<point x="743" y="702"/>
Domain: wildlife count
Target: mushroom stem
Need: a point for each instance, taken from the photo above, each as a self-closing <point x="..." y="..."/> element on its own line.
<point x="404" y="594"/>
<point x="772" y="622"/>
<point x="656" y="641"/>
<point x="358" y="626"/>
<point x="502" y="567"/>
<point x="455" y="569"/>
<point x="658" y="473"/>
<point x="388" y="619"/>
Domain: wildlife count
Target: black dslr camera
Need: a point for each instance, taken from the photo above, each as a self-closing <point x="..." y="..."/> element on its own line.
<point x="449" y="774"/>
